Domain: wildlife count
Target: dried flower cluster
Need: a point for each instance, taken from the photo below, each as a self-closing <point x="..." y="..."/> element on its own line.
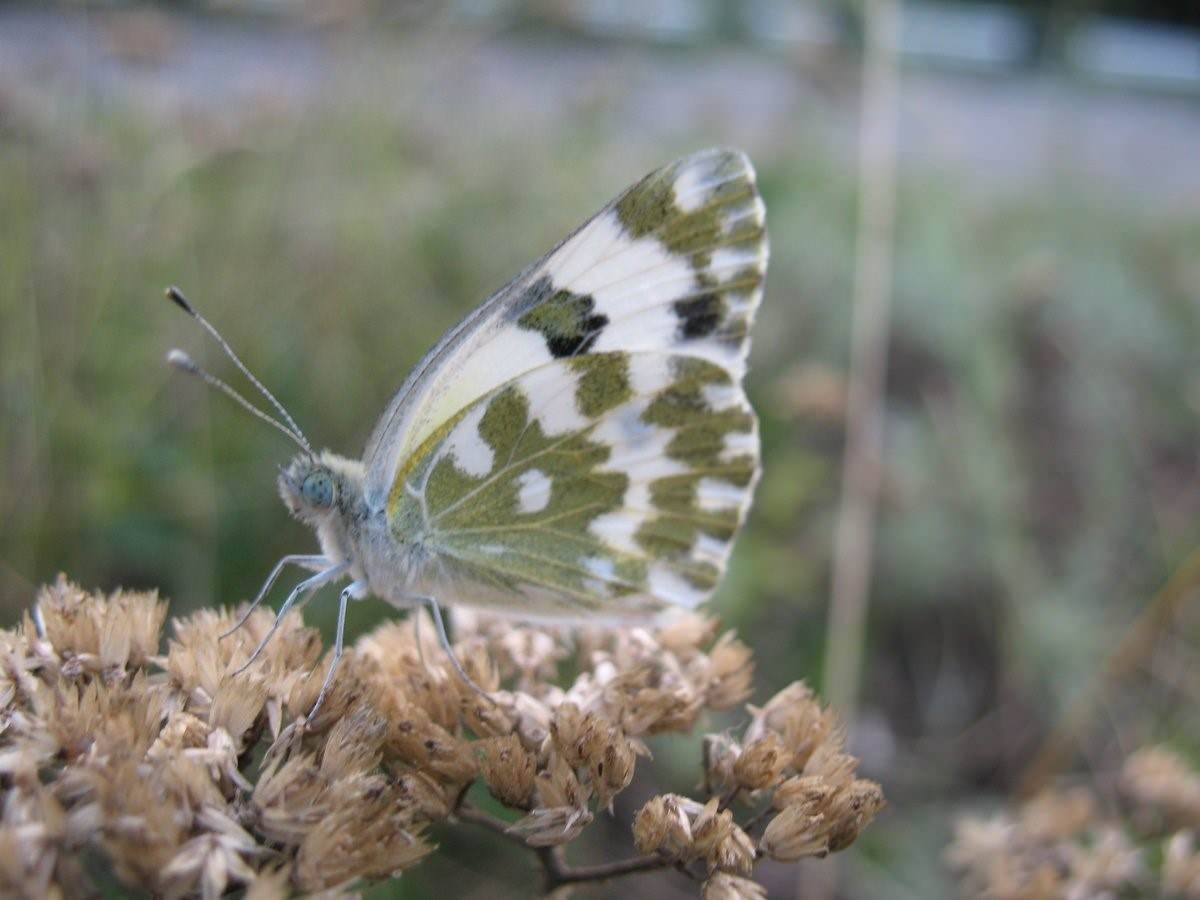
<point x="1076" y="843"/>
<point x="175" y="777"/>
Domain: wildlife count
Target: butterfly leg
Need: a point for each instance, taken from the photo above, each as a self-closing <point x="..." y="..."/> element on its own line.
<point x="316" y="563"/>
<point x="435" y="610"/>
<point x="299" y="590"/>
<point x="416" y="618"/>
<point x="356" y="590"/>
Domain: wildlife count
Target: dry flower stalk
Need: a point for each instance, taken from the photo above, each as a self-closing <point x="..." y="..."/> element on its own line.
<point x="1070" y="843"/>
<point x="189" y="781"/>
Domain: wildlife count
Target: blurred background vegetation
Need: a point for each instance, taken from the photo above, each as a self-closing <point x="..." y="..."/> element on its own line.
<point x="336" y="182"/>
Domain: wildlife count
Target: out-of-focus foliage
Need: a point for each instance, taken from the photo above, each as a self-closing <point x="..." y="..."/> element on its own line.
<point x="1043" y="400"/>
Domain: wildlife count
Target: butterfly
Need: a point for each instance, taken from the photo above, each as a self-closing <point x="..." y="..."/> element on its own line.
<point x="579" y="448"/>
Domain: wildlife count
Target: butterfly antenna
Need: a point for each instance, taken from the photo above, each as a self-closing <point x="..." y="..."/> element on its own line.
<point x="185" y="363"/>
<point x="183" y="303"/>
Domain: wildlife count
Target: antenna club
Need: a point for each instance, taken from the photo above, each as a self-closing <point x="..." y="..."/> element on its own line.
<point x="176" y="295"/>
<point x="180" y="360"/>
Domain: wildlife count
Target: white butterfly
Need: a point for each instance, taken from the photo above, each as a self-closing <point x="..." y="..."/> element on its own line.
<point x="579" y="447"/>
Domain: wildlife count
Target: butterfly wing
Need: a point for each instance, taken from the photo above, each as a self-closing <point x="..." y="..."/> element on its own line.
<point x="581" y="442"/>
<point x="608" y="484"/>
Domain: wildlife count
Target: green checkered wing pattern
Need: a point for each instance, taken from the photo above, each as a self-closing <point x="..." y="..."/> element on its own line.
<point x="581" y="445"/>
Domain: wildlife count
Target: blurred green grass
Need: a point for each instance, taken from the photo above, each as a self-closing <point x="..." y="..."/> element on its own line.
<point x="1044" y="390"/>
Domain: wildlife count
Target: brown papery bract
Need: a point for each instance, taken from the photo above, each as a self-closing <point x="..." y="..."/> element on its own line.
<point x="179" y="776"/>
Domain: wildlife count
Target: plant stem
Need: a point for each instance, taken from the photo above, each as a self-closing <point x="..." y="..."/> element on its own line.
<point x="862" y="467"/>
<point x="558" y="873"/>
<point x="555" y="870"/>
<point x="476" y="816"/>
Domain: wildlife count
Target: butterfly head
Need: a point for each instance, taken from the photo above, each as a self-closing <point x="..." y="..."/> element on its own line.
<point x="314" y="487"/>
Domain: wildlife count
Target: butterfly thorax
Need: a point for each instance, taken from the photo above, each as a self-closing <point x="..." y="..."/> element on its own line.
<point x="326" y="493"/>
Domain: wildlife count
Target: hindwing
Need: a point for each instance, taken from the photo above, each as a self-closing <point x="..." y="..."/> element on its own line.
<point x="610" y="485"/>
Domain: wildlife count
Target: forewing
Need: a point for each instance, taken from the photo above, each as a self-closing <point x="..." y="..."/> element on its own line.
<point x="672" y="266"/>
<point x="609" y="485"/>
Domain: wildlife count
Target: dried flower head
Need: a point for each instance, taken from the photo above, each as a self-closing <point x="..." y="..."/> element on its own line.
<point x="761" y="763"/>
<point x="509" y="770"/>
<point x="1163" y="786"/>
<point x="1068" y="843"/>
<point x="188" y="777"/>
<point x="723" y="886"/>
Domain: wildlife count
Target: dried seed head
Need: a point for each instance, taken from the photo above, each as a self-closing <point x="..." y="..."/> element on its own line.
<point x="509" y="770"/>
<point x="119" y="630"/>
<point x="650" y="826"/>
<point x="1181" y="866"/>
<point x="688" y="634"/>
<point x="182" y="731"/>
<point x="571" y="731"/>
<point x="761" y="763"/>
<point x="731" y="672"/>
<point x="270" y="884"/>
<point x="557" y="785"/>
<point x="1055" y="815"/>
<point x="723" y="886"/>
<point x="98" y="749"/>
<point x="1163" y="786"/>
<point x="823" y="821"/>
<point x="425" y="794"/>
<point x="365" y="839"/>
<point x="851" y="810"/>
<point x="237" y="704"/>
<point x="551" y="826"/>
<point x="415" y="739"/>
<point x="794" y="833"/>
<point x="663" y="826"/>
<point x="829" y="763"/>
<point x="720" y="752"/>
<point x="530" y="653"/>
<point x="1108" y="863"/>
<point x="494" y="718"/>
<point x="711" y="826"/>
<point x="802" y="724"/>
<point x="810" y="791"/>
<point x="734" y="853"/>
<point x="611" y="769"/>
<point x="354" y="745"/>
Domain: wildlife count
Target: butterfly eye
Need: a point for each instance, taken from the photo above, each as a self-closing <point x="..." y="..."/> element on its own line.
<point x="318" y="489"/>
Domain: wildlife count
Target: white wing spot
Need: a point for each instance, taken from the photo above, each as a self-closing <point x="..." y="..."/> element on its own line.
<point x="533" y="493"/>
<point x="617" y="529"/>
<point x="600" y="566"/>
<point x="624" y="427"/>
<point x="721" y="396"/>
<point x="710" y="550"/>
<point x="739" y="443"/>
<point x="471" y="452"/>
<point x="673" y="588"/>
<point x="731" y="259"/>
<point x="692" y="188"/>
<point x="713" y="495"/>
<point x="555" y="410"/>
